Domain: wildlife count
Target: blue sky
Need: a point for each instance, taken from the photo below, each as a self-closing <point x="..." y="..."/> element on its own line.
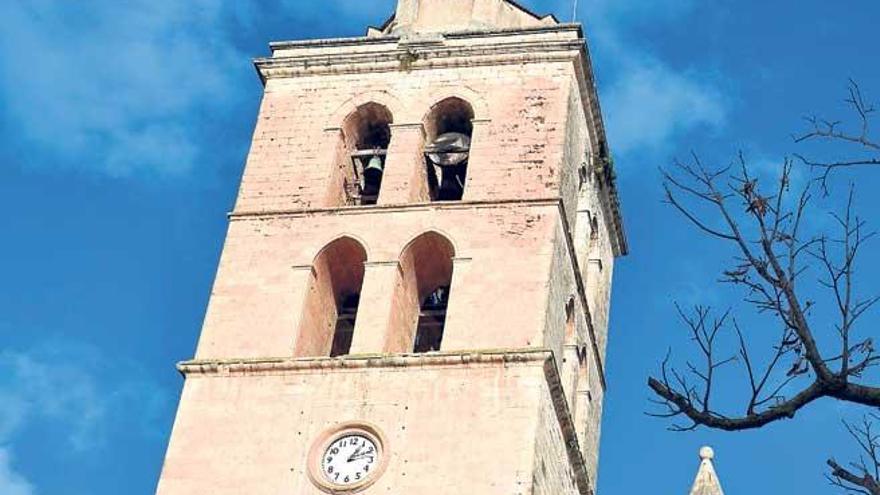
<point x="123" y="130"/>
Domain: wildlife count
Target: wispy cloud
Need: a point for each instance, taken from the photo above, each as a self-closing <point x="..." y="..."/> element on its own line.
<point x="76" y="390"/>
<point x="37" y="386"/>
<point x="648" y="102"/>
<point x="131" y="88"/>
<point x="125" y="89"/>
<point x="113" y="86"/>
<point x="12" y="483"/>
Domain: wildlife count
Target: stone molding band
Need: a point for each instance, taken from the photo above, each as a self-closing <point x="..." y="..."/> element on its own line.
<point x="361" y="361"/>
<point x="457" y="205"/>
<point x="507" y="357"/>
<point x="366" y="210"/>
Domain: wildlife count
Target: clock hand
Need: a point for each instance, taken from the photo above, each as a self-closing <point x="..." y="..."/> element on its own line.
<point x="354" y="455"/>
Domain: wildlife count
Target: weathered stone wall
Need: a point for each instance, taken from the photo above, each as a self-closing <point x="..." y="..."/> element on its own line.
<point x="462" y="429"/>
<point x="498" y="295"/>
<point x="576" y="150"/>
<point x="592" y="227"/>
<point x="587" y="412"/>
<point x="468" y="428"/>
<point x="517" y="148"/>
<point x="553" y="475"/>
<point x="597" y="267"/>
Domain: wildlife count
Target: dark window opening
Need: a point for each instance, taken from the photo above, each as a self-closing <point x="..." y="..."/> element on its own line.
<point x="369" y="168"/>
<point x="450" y="126"/>
<point x="371" y="135"/>
<point x="345" y="321"/>
<point x="331" y="305"/>
<point x="432" y="321"/>
<point x="425" y="278"/>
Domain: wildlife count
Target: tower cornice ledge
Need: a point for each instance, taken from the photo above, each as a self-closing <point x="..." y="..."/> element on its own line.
<point x="207" y="367"/>
<point x="420" y="51"/>
<point x="366" y="210"/>
<point x="485" y="357"/>
<point x="418" y="56"/>
<point x="454" y="205"/>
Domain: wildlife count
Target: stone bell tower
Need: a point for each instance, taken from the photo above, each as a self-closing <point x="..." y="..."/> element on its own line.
<point x="413" y="294"/>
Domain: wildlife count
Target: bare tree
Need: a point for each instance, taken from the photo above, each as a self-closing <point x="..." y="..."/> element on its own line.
<point x="804" y="358"/>
<point x="866" y="146"/>
<point x="860" y="476"/>
<point x="772" y="257"/>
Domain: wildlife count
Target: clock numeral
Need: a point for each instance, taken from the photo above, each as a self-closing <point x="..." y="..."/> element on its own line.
<point x="354" y="454"/>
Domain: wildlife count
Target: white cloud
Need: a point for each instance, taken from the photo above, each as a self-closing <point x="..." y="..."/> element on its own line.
<point x="116" y="87"/>
<point x="112" y="86"/>
<point x="649" y="104"/>
<point x="646" y="101"/>
<point x="37" y="386"/>
<point x="12" y="483"/>
<point x="126" y="88"/>
<point x="77" y="391"/>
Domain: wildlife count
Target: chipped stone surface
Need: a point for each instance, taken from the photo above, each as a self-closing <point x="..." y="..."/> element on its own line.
<point x="533" y="239"/>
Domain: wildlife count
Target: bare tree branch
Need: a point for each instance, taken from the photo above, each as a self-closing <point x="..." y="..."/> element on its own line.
<point x="772" y="253"/>
<point x="867" y="147"/>
<point x="796" y="359"/>
<point x="861" y="476"/>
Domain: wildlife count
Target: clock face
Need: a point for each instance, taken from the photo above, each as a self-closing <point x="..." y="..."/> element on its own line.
<point x="350" y="459"/>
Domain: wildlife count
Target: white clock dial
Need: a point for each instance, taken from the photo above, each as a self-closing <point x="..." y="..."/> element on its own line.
<point x="350" y="459"/>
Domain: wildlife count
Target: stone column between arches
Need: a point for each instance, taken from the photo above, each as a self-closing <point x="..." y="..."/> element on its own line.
<point x="460" y="320"/>
<point x="405" y="179"/>
<point x="481" y="154"/>
<point x="374" y="315"/>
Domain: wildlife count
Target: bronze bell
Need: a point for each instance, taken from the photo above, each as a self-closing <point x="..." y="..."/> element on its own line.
<point x="373" y="175"/>
<point x="375" y="166"/>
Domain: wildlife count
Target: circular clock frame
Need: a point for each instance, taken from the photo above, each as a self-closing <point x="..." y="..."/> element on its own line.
<point x="328" y="437"/>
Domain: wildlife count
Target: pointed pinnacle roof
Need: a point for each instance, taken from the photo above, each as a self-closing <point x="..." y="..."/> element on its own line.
<point x="707" y="482"/>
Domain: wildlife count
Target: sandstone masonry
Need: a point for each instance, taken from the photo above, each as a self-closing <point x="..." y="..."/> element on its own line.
<point x="470" y="331"/>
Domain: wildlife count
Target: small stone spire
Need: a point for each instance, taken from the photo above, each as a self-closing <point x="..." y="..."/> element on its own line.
<point x="707" y="482"/>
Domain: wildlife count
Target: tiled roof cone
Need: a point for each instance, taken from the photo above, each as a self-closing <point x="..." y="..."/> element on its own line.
<point x="707" y="482"/>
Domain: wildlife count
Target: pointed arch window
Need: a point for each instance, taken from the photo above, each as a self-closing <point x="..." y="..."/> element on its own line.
<point x="333" y="299"/>
<point x="432" y="321"/>
<point x="422" y="296"/>
<point x="570" y="326"/>
<point x="366" y="136"/>
<point x="450" y="129"/>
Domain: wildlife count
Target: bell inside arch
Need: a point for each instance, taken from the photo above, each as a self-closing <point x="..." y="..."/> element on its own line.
<point x="450" y="149"/>
<point x="373" y="176"/>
